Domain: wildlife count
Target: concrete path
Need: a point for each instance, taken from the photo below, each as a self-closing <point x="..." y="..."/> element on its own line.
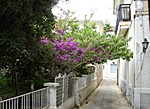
<point x="106" y="96"/>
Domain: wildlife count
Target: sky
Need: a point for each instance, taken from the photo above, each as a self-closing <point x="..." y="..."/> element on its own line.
<point x="102" y="9"/>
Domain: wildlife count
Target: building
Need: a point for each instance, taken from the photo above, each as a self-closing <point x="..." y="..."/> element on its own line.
<point x="99" y="25"/>
<point x="134" y="76"/>
<point x="110" y="69"/>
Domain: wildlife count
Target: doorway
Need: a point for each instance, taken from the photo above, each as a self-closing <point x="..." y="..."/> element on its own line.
<point x="110" y="70"/>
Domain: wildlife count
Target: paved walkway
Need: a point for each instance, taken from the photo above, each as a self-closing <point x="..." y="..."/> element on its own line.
<point x="106" y="96"/>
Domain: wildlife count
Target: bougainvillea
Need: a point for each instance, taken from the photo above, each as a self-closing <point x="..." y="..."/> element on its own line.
<point x="44" y="41"/>
<point x="74" y="46"/>
<point x="68" y="50"/>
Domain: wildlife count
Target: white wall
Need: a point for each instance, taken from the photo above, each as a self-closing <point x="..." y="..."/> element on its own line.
<point x="132" y="45"/>
<point x="127" y="1"/>
<point x="139" y="67"/>
<point x="141" y="31"/>
<point x="142" y="64"/>
<point x="145" y="64"/>
<point x="84" y="92"/>
<point x="107" y="70"/>
<point x="122" y="72"/>
<point x="127" y="70"/>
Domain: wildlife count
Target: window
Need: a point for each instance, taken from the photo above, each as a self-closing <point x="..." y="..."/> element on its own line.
<point x="113" y="68"/>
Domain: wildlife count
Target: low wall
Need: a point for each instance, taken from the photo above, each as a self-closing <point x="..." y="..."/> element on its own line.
<point x="99" y="73"/>
<point x="83" y="87"/>
<point x="138" y="97"/>
<point x="123" y="86"/>
<point x="69" y="104"/>
<point x="83" y="94"/>
<point x="67" y="92"/>
<point x="85" y="91"/>
<point x="142" y="98"/>
<point x="131" y="95"/>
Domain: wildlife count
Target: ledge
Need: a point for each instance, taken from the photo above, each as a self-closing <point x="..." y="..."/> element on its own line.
<point x="123" y="27"/>
<point x="51" y="84"/>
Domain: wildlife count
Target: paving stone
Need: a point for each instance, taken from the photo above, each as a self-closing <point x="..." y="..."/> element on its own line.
<point x="107" y="96"/>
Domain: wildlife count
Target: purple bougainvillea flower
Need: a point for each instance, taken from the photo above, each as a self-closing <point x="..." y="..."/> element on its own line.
<point x="56" y="41"/>
<point x="68" y="50"/>
<point x="70" y="39"/>
<point x="44" y="41"/>
<point x="79" y="58"/>
<point x="97" y="58"/>
<point x="97" y="51"/>
<point x="62" y="58"/>
<point x="74" y="61"/>
<point x="80" y="50"/>
<point x="62" y="32"/>
<point x="109" y="57"/>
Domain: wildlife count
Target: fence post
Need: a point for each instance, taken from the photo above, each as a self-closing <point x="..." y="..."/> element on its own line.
<point x="52" y="94"/>
<point x="85" y="79"/>
<point x="76" y="99"/>
<point x="96" y="71"/>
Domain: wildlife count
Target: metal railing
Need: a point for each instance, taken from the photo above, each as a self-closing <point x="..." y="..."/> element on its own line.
<point x="86" y="79"/>
<point x="65" y="89"/>
<point x="43" y="98"/>
<point x="124" y="14"/>
<point x="33" y="100"/>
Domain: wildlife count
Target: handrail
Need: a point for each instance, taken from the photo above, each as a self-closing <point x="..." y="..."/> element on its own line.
<point x="124" y="14"/>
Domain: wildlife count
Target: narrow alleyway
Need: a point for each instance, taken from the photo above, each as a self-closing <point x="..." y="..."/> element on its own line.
<point x="106" y="96"/>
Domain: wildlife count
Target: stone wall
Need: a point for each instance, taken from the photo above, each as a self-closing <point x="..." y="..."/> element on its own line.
<point x="100" y="73"/>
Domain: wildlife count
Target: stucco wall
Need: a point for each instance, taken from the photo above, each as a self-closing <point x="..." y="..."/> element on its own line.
<point x="142" y="61"/>
<point x="142" y="66"/>
<point x="132" y="46"/>
<point x="141" y="98"/>
<point x="122" y="72"/>
<point x="107" y="69"/>
<point x="145" y="74"/>
<point x="100" y="73"/>
<point x="69" y="104"/>
<point x="145" y="64"/>
<point x="84" y="92"/>
<point x="139" y="67"/>
<point x="130" y="95"/>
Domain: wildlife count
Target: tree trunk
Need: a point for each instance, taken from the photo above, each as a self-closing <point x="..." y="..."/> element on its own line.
<point x="14" y="74"/>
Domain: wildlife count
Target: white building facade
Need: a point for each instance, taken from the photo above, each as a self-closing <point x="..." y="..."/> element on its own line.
<point x="134" y="76"/>
<point x="110" y="69"/>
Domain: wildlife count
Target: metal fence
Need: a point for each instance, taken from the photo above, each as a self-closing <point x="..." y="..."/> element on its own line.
<point x="42" y="98"/>
<point x="86" y="79"/>
<point x="65" y="88"/>
<point x="34" y="100"/>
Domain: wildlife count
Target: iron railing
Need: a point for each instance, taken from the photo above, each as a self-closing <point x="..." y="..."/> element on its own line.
<point x="33" y="100"/>
<point x="65" y="89"/>
<point x="124" y="14"/>
<point x="41" y="99"/>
